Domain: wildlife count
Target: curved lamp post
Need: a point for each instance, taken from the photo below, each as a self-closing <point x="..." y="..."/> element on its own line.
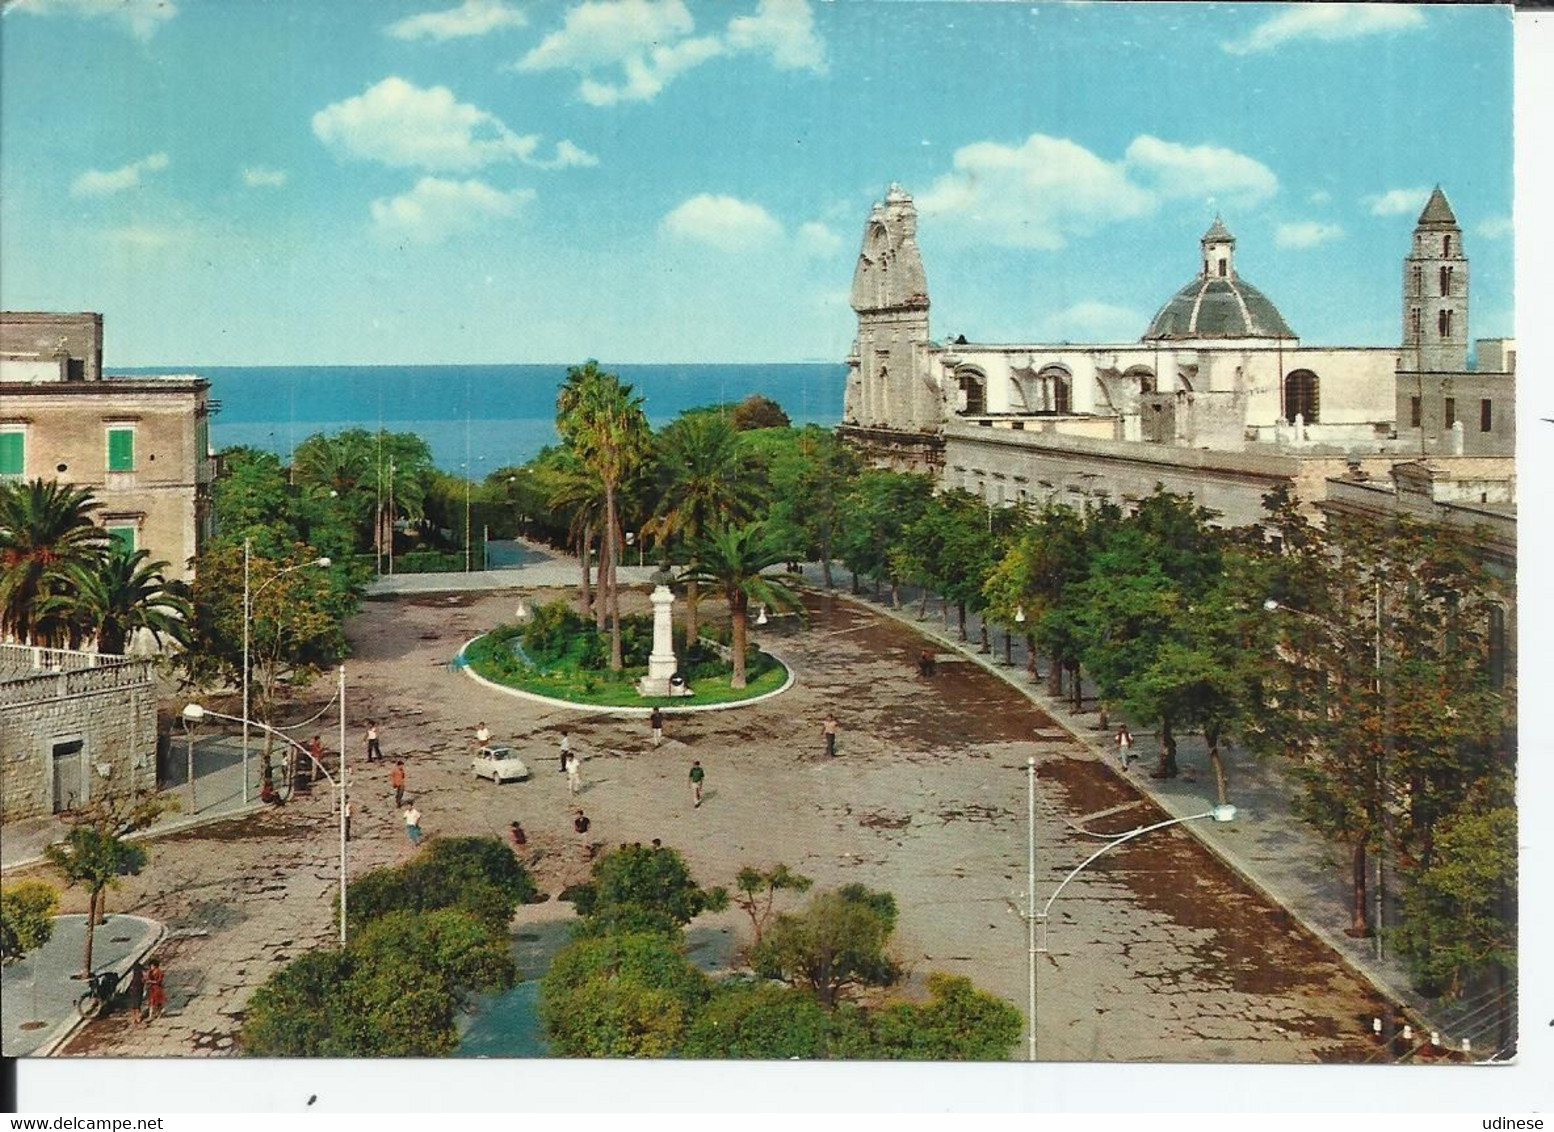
<point x="1036" y="922"/>
<point x="248" y="614"/>
<point x="194" y="713"/>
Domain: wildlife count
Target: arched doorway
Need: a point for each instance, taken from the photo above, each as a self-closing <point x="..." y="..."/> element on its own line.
<point x="1302" y="396"/>
<point x="973" y="390"/>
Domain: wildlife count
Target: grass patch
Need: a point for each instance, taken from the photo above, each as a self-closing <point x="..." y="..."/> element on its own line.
<point x="563" y="662"/>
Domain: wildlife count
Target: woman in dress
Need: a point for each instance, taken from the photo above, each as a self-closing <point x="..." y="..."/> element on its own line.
<point x="156" y="992"/>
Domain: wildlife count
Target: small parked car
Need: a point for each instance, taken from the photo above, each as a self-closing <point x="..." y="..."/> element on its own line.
<point x="499" y="764"/>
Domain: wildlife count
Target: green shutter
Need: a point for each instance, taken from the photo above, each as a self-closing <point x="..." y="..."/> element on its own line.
<point x="124" y="536"/>
<point x="121" y="450"/>
<point x="13" y="459"/>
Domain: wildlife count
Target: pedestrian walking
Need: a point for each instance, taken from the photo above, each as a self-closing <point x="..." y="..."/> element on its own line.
<point x="574" y="768"/>
<point x="137" y="992"/>
<point x="1124" y="747"/>
<point x="515" y="831"/>
<point x="347" y="819"/>
<point x="566" y="749"/>
<point x="482" y="736"/>
<point x="829" y="729"/>
<point x="656" y="722"/>
<point x="413" y="824"/>
<point x="580" y="823"/>
<point x="697" y="776"/>
<point x="315" y="749"/>
<point x="397" y="781"/>
<point x="156" y="990"/>
<point x="373" y="750"/>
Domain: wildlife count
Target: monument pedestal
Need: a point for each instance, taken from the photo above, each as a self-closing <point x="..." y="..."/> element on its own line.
<point x="661" y="661"/>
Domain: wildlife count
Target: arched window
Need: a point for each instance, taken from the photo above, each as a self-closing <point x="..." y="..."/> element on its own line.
<point x="1446" y="245"/>
<point x="973" y="390"/>
<point x="1417" y="319"/>
<point x="1445" y="282"/>
<point x="1443" y="323"/>
<point x="1056" y="386"/>
<point x="1302" y="391"/>
<point x="1144" y="376"/>
<point x="1418" y="279"/>
<point x="1062" y="393"/>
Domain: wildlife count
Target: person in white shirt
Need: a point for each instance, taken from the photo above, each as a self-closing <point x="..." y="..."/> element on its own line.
<point x="413" y="825"/>
<point x="482" y="735"/>
<point x="574" y="773"/>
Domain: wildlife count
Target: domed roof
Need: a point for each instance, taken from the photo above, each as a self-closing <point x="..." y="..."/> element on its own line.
<point x="1210" y="307"/>
<point x="1218" y="303"/>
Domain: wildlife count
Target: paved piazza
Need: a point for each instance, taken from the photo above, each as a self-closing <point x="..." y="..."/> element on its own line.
<point x="1158" y="952"/>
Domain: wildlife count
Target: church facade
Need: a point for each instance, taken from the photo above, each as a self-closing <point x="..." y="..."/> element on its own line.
<point x="1218" y="398"/>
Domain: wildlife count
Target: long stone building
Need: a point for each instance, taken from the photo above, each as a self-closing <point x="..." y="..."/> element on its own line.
<point x="1219" y="398"/>
<point x="141" y="444"/>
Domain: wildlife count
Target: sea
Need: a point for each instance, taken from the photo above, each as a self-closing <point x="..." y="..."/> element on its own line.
<point x="478" y="418"/>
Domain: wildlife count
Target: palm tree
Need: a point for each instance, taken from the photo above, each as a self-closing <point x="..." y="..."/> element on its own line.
<point x="127" y="592"/>
<point x="46" y="528"/>
<point x="602" y="420"/>
<point x="571" y="490"/>
<point x="707" y="483"/>
<point x="734" y="558"/>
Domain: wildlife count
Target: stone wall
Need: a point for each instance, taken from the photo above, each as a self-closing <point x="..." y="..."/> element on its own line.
<point x="75" y="339"/>
<point x="111" y="710"/>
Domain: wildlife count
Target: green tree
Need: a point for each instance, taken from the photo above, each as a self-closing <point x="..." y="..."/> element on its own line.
<point x="759" y="1021"/>
<point x="756" y="411"/>
<point x="736" y="558"/>
<point x="756" y="891"/>
<point x="1035" y="575"/>
<point x="705" y="482"/>
<point x="639" y="888"/>
<point x="626" y="994"/>
<point x="959" y="1023"/>
<point x="26" y="917"/>
<point x="810" y="483"/>
<point x="477" y="874"/>
<point x="303" y="1010"/>
<point x="120" y="594"/>
<point x="46" y="528"/>
<point x="95" y="857"/>
<point x="879" y="509"/>
<point x="601" y="419"/>
<point x="377" y="477"/>
<point x="834" y="946"/>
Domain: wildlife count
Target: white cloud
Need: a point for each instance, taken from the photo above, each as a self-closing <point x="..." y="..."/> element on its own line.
<point x="1305" y="234"/>
<point x="1326" y="23"/>
<point x="722" y="222"/>
<point x="1320" y="196"/>
<point x="817" y="240"/>
<point x="568" y="156"/>
<point x="1398" y="202"/>
<point x="1494" y="228"/>
<point x="786" y="29"/>
<point x="630" y="50"/>
<point x="1037" y="194"/>
<point x="436" y="209"/>
<point x="139" y="238"/>
<point x="1092" y="321"/>
<point x="101" y="183"/>
<point x="263" y="177"/>
<point x="400" y="124"/>
<point x="473" y="17"/>
<point x="141" y="17"/>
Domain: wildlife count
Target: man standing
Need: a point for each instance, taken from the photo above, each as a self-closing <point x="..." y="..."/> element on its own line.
<point x="656" y="722"/>
<point x="574" y="767"/>
<point x="1124" y="747"/>
<point x="413" y="825"/>
<point x="397" y="781"/>
<point x="566" y="749"/>
<point x="697" y="775"/>
<point x="482" y="736"/>
<point x="316" y="749"/>
<point x="373" y="750"/>
<point x="829" y="730"/>
<point x="347" y="819"/>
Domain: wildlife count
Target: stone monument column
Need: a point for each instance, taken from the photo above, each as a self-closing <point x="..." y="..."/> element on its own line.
<point x="661" y="661"/>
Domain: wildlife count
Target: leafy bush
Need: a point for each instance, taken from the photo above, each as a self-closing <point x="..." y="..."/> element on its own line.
<point x="759" y="1020"/>
<point x="595" y="652"/>
<point x="626" y="995"/>
<point x="961" y="1023"/>
<point x="640" y="888"/>
<point x="834" y="946"/>
<point x="550" y="630"/>
<point x="478" y="874"/>
<point x="428" y="562"/>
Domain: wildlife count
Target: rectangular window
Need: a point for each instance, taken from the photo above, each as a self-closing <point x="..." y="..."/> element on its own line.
<point x="1486" y="417"/>
<point x="121" y="450"/>
<point x="123" y="537"/>
<point x="1415" y="411"/>
<point x="13" y="453"/>
<point x="1449" y="413"/>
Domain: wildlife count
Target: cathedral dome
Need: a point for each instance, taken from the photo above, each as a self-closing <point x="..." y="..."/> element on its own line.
<point x="1218" y="303"/>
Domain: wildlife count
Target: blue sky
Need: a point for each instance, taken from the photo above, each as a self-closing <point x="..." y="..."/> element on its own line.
<point x="247" y="182"/>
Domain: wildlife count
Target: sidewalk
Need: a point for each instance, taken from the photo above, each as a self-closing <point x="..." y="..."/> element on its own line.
<point x="218" y="795"/>
<point x="1266" y="844"/>
<point x="38" y="995"/>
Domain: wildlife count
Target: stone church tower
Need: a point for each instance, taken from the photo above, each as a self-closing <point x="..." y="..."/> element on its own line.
<point x="890" y="293"/>
<point x="1435" y="293"/>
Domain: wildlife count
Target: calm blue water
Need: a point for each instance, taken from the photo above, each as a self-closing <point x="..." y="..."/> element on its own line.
<point x="482" y="417"/>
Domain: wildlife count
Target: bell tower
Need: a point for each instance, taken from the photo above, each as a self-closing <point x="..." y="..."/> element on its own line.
<point x="890" y="296"/>
<point x="1435" y="293"/>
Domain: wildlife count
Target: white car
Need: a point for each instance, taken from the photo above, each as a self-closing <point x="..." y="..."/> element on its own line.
<point x="499" y="764"/>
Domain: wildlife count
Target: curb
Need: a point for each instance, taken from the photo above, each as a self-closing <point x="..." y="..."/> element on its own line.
<point x="1376" y="980"/>
<point x="629" y="712"/>
<point x="67" y="1029"/>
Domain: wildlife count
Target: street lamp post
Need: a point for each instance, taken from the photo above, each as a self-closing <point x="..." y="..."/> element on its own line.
<point x="248" y="613"/>
<point x="194" y="713"/>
